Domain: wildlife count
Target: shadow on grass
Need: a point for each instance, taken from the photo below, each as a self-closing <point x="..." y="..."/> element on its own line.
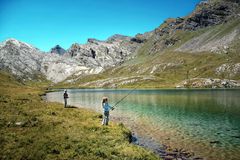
<point x="70" y="107"/>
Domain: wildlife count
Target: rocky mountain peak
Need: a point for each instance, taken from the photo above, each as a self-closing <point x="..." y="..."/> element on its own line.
<point x="27" y="62"/>
<point x="20" y="58"/>
<point x="58" y="50"/>
<point x="15" y="48"/>
<point x="11" y="42"/>
<point x="103" y="54"/>
<point x="118" y="37"/>
<point x="93" y="40"/>
<point x="208" y="13"/>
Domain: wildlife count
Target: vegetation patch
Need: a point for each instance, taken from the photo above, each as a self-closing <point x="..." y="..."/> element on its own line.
<point x="33" y="129"/>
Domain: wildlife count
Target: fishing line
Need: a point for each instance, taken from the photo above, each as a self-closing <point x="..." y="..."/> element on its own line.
<point x="125" y="96"/>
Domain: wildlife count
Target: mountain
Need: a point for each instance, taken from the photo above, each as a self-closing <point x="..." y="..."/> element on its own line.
<point x="58" y="50"/>
<point x="29" y="63"/>
<point x="176" y="31"/>
<point x="95" y="53"/>
<point x="20" y="59"/>
<point x="198" y="50"/>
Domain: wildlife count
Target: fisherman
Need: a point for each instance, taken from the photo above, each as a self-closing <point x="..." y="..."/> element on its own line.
<point x="106" y="108"/>
<point x="65" y="97"/>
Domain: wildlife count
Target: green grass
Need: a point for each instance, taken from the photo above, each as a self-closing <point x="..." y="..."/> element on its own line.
<point x="200" y="65"/>
<point x="33" y="129"/>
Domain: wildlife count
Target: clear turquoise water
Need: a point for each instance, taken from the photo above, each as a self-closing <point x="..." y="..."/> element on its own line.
<point x="206" y="122"/>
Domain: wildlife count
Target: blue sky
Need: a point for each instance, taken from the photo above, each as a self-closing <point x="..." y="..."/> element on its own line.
<point x="45" y="23"/>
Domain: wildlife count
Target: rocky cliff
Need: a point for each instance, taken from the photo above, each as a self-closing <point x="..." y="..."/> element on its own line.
<point x="29" y="63"/>
<point x="21" y="59"/>
<point x="95" y="53"/>
<point x="207" y="14"/>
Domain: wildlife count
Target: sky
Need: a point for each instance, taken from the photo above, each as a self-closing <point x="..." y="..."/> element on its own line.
<point x="46" y="23"/>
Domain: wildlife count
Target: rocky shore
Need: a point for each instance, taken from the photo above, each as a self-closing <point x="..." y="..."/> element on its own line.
<point x="164" y="151"/>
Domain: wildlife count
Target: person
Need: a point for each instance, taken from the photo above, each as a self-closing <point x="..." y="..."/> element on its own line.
<point x="106" y="108"/>
<point x="65" y="96"/>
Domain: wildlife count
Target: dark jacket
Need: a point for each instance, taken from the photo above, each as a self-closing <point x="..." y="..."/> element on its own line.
<point x="65" y="95"/>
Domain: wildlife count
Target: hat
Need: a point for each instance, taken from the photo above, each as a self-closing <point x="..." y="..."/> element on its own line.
<point x="105" y="98"/>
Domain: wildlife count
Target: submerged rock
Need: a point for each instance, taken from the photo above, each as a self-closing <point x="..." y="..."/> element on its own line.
<point x="215" y="142"/>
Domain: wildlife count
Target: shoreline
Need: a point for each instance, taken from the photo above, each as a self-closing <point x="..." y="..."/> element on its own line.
<point x="145" y="135"/>
<point x="34" y="129"/>
<point x="147" y="88"/>
<point x="163" y="151"/>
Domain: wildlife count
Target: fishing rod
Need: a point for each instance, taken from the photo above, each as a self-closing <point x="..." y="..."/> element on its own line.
<point x="124" y="97"/>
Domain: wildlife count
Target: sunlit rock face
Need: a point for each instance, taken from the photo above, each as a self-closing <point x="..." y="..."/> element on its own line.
<point x="95" y="53"/>
<point x="21" y="59"/>
<point x="207" y="14"/>
<point x="29" y="63"/>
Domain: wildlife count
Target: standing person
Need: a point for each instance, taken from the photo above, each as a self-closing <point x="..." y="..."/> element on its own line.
<point x="106" y="108"/>
<point x="65" y="96"/>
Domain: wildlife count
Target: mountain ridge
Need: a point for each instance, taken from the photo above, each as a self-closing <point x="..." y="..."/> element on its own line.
<point x="58" y="50"/>
<point x="164" y="60"/>
<point x="29" y="63"/>
<point x="212" y="31"/>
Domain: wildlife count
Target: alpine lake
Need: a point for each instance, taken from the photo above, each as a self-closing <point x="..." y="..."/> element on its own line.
<point x="205" y="122"/>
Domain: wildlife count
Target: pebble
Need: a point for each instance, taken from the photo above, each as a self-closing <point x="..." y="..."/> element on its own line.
<point x="172" y="153"/>
<point x="55" y="151"/>
<point x="18" y="123"/>
<point x="54" y="113"/>
<point x="169" y="157"/>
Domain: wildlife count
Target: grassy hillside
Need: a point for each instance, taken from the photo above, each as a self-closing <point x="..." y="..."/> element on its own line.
<point x="33" y="129"/>
<point x="168" y="67"/>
